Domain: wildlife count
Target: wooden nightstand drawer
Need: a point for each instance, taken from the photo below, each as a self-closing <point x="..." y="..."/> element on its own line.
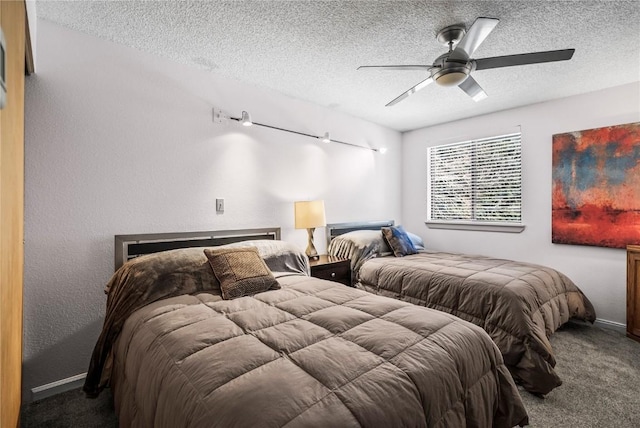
<point x="332" y="269"/>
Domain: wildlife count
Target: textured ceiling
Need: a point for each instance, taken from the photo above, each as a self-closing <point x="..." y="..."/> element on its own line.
<point x="311" y="49"/>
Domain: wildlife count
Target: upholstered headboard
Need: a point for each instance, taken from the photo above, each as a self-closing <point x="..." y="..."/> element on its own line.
<point x="130" y="246"/>
<point x="337" y="229"/>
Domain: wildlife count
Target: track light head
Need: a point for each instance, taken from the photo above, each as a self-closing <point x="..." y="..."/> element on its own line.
<point x="246" y="119"/>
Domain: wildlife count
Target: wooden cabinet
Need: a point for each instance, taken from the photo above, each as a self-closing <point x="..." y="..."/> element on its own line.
<point x="332" y="269"/>
<point x="633" y="292"/>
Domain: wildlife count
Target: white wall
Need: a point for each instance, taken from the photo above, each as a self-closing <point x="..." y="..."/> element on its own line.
<point x="121" y="142"/>
<point x="32" y="20"/>
<point x="118" y="141"/>
<point x="599" y="272"/>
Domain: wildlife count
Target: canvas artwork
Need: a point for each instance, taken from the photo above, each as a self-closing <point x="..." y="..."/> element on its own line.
<point x="596" y="187"/>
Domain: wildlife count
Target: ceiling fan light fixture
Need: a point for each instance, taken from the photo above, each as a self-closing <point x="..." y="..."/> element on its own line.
<point x="450" y="78"/>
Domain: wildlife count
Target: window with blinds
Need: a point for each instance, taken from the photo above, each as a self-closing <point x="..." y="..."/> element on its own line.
<point x="476" y="181"/>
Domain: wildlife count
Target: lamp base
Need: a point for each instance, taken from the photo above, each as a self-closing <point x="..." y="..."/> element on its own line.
<point x="311" y="252"/>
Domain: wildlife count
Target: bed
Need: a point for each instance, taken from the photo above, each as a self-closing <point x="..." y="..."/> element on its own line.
<point x="518" y="304"/>
<point x="305" y="352"/>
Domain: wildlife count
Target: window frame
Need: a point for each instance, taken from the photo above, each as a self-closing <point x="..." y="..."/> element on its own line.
<point x="480" y="225"/>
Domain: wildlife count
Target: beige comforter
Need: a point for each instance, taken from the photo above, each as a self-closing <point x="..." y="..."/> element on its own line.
<point x="519" y="304"/>
<point x="154" y="277"/>
<point x="315" y="353"/>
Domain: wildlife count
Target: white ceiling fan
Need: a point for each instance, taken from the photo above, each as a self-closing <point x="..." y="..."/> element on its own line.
<point x="455" y="67"/>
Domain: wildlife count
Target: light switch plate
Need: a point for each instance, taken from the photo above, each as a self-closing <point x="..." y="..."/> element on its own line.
<point x="219" y="205"/>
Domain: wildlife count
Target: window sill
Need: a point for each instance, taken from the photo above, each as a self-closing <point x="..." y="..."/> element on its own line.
<point x="484" y="227"/>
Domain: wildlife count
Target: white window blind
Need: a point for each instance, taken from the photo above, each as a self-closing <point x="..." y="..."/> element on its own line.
<point x="476" y="181"/>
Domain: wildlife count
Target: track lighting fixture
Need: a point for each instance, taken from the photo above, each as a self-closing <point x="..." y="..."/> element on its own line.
<point x="245" y="120"/>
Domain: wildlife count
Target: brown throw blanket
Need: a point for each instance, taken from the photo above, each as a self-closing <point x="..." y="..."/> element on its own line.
<point x="150" y="278"/>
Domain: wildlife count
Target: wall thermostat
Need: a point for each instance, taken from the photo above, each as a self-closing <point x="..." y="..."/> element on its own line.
<point x="3" y="70"/>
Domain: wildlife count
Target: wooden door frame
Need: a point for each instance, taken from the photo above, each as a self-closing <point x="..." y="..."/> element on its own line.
<point x="13" y="19"/>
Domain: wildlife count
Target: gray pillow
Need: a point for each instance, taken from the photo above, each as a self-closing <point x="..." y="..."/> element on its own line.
<point x="359" y="246"/>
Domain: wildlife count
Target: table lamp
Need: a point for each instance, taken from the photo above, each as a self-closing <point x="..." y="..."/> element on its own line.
<point x="309" y="215"/>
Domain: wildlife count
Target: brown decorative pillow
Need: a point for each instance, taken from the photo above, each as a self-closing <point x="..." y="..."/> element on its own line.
<point x="240" y="271"/>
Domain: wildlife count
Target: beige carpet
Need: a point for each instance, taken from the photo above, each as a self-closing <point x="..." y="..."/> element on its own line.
<point x="600" y="370"/>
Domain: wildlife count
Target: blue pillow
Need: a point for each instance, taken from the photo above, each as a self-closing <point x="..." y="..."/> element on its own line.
<point x="417" y="241"/>
<point x="399" y="241"/>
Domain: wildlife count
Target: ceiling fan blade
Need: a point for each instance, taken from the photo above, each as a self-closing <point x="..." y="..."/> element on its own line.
<point x="471" y="87"/>
<point x="397" y="67"/>
<point x="479" y="31"/>
<point x="411" y="91"/>
<point x="523" y="59"/>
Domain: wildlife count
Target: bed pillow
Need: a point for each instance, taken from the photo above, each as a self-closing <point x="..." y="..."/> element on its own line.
<point x="417" y="241"/>
<point x="359" y="246"/>
<point x="282" y="258"/>
<point x="241" y="271"/>
<point x="371" y="240"/>
<point x="399" y="241"/>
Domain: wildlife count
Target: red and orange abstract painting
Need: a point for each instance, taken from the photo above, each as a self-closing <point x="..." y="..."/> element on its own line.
<point x="596" y="187"/>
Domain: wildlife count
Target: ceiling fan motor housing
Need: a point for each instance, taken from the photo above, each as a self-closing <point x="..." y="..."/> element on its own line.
<point x="450" y="73"/>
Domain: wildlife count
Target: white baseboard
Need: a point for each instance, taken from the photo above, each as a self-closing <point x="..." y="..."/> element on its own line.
<point x="611" y="325"/>
<point x="57" y="387"/>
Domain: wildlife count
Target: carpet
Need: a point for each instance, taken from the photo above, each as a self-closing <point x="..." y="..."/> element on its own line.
<point x="600" y="369"/>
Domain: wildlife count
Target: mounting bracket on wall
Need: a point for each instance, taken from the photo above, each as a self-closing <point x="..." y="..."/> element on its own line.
<point x="219" y="116"/>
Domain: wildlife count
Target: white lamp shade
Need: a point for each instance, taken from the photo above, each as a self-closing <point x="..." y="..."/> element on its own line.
<point x="309" y="214"/>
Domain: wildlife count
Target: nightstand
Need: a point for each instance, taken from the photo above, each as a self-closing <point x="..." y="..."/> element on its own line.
<point x="332" y="268"/>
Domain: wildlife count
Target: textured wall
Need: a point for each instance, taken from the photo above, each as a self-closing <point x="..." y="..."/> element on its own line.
<point x="599" y="272"/>
<point x="119" y="142"/>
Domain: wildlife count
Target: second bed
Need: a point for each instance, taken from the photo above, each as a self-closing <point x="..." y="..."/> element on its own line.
<point x="519" y="304"/>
